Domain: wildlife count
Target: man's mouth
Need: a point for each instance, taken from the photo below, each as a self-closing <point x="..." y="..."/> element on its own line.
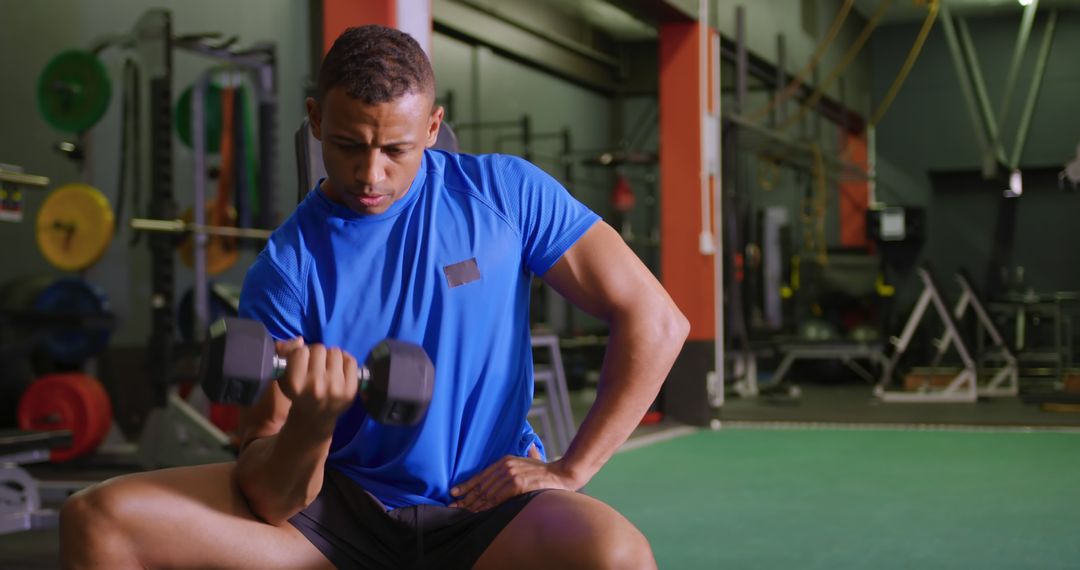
<point x="370" y="200"/>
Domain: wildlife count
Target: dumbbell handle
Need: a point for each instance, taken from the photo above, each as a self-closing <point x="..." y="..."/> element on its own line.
<point x="363" y="373"/>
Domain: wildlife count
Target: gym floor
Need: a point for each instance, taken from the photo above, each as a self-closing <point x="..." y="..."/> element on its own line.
<point x="834" y="479"/>
<point x="854" y="498"/>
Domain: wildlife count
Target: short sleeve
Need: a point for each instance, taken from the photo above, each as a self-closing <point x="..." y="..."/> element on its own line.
<point x="269" y="297"/>
<point x="549" y="218"/>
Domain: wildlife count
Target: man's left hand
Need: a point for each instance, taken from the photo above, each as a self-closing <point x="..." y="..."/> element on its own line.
<point x="509" y="477"/>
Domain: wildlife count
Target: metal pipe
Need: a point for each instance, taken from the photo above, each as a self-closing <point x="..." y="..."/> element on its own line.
<point x="254" y="59"/>
<point x="871" y="164"/>
<point x="741" y="59"/>
<point x="181" y="227"/>
<point x="476" y="99"/>
<point x="198" y="143"/>
<point x="568" y="165"/>
<point x="781" y="79"/>
<point x="846" y="168"/>
<point x="716" y="195"/>
<point x="488" y="125"/>
<point x="995" y="147"/>
<point x="526" y="138"/>
<point x="1018" y="56"/>
<point x="559" y="40"/>
<point x="12" y="177"/>
<point x="965" y="79"/>
<point x="1033" y="91"/>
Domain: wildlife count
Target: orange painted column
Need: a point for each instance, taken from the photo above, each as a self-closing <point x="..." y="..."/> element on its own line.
<point x="689" y="179"/>
<point x="412" y="16"/>
<point x="687" y="274"/>
<point x="854" y="194"/>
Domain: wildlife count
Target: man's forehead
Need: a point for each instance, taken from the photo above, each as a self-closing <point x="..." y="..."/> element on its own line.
<point x="339" y="97"/>
<point x="406" y="112"/>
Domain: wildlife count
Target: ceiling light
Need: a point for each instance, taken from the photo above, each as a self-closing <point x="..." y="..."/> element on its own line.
<point x="1016" y="185"/>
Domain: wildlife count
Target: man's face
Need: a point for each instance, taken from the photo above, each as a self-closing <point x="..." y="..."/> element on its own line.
<point x="372" y="152"/>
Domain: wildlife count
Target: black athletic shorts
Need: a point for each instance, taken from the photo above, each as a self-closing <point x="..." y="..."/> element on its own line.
<point x="354" y="530"/>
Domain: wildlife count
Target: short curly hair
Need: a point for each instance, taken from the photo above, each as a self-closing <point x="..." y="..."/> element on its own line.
<point x="376" y="64"/>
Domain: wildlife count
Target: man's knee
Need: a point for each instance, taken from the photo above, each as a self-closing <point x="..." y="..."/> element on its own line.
<point x="621" y="548"/>
<point x="89" y="521"/>
<point x="95" y="504"/>
<point x="595" y="536"/>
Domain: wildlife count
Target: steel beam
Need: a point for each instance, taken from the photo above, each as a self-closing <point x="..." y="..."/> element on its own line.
<point x="995" y="147"/>
<point x="575" y="62"/>
<point x="1033" y="91"/>
<point x="1018" y="56"/>
<point x="761" y="69"/>
<point x="955" y="50"/>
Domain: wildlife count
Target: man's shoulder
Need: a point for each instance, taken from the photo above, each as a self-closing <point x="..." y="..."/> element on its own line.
<point x="477" y="169"/>
<point x="287" y="250"/>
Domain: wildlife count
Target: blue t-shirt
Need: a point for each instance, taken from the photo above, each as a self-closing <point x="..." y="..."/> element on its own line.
<point x="448" y="266"/>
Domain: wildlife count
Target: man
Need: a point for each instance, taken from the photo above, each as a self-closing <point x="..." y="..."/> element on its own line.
<point x="435" y="248"/>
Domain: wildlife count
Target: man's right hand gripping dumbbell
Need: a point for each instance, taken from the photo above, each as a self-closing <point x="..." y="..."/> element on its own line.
<point x="240" y="360"/>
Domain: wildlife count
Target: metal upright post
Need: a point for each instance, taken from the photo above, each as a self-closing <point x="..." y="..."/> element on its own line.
<point x="153" y="34"/>
<point x="742" y="61"/>
<point x="268" y="105"/>
<point x="780" y="109"/>
<point x="198" y="143"/>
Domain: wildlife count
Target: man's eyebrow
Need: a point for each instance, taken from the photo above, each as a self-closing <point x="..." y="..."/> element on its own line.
<point x="353" y="140"/>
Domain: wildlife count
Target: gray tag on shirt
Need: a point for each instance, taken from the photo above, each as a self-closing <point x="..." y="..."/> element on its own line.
<point x="460" y="273"/>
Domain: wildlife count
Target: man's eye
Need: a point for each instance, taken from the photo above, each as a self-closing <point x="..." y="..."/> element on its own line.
<point x="394" y="151"/>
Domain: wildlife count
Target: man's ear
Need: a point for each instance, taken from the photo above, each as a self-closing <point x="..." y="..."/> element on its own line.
<point x="433" y="125"/>
<point x="314" y="113"/>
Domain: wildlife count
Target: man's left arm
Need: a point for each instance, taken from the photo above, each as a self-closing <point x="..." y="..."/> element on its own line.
<point x="603" y="277"/>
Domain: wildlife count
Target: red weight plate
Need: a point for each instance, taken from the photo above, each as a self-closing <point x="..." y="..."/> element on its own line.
<point x="225" y="416"/>
<point x="69" y="401"/>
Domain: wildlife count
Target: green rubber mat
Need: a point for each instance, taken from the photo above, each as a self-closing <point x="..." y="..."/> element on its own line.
<point x="760" y="498"/>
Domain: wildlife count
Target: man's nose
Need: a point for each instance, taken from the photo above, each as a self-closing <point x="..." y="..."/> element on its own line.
<point x="370" y="171"/>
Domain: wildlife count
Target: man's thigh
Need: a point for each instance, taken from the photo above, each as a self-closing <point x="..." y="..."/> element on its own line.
<point x="192" y="517"/>
<point x="561" y="529"/>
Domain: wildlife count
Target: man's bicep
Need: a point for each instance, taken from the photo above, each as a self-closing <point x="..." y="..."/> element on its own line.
<point x="602" y="276"/>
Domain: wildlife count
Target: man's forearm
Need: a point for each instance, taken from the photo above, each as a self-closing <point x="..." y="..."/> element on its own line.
<point x="281" y="474"/>
<point x="641" y="350"/>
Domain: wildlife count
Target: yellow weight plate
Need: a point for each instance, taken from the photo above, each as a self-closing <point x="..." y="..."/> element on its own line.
<point x="75" y="226"/>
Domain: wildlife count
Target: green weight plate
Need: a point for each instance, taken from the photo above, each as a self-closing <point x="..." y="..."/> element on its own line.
<point x="212" y="107"/>
<point x="73" y="91"/>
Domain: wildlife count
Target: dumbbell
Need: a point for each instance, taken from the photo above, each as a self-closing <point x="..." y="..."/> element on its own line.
<point x="239" y="362"/>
